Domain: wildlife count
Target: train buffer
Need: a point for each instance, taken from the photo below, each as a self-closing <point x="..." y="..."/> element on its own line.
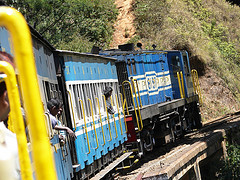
<point x="111" y="166"/>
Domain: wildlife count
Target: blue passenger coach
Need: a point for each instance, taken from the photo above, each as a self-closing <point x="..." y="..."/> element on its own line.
<point x="100" y="135"/>
<point x="48" y="84"/>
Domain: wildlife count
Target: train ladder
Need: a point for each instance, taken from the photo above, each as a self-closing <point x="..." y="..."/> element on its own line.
<point x="196" y="85"/>
<point x="134" y="106"/>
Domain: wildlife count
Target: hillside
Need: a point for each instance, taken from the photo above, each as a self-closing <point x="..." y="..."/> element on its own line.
<point x="209" y="30"/>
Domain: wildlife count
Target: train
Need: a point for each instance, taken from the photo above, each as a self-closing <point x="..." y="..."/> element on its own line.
<point x="156" y="98"/>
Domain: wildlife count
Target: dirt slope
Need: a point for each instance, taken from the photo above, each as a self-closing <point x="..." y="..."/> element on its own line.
<point x="124" y="26"/>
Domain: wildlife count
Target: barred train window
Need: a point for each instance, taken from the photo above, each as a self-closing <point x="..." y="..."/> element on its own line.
<point x="134" y="66"/>
<point x="129" y="66"/>
<point x="176" y="65"/>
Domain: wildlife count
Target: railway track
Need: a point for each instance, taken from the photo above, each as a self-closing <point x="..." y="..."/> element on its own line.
<point x="163" y="156"/>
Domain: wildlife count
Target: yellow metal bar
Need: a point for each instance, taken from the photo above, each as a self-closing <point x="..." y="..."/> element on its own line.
<point x="24" y="59"/>
<point x="93" y="122"/>
<point x="123" y="107"/>
<point x="125" y="95"/>
<point x="139" y="112"/>
<point x="119" y="115"/>
<point x="100" y="116"/>
<point x="140" y="101"/>
<point x="193" y="81"/>
<point x="16" y="117"/>
<point x="133" y="103"/>
<point x="125" y="117"/>
<point x="196" y="84"/>
<point x="50" y="124"/>
<point x="179" y="83"/>
<point x="107" y="118"/>
<point x="85" y="127"/>
<point x="183" y="89"/>
<point x="115" y="125"/>
<point x="74" y="121"/>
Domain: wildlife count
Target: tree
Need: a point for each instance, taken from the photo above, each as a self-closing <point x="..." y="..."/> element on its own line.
<point x="62" y="21"/>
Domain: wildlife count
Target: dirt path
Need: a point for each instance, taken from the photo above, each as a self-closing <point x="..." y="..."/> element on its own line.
<point x="124" y="28"/>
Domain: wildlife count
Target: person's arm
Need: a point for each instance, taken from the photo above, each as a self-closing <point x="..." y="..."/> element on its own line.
<point x="69" y="131"/>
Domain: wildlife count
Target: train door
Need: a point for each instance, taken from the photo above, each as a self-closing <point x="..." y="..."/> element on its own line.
<point x="141" y="79"/>
<point x="61" y="149"/>
<point x="187" y="74"/>
<point x="166" y="80"/>
<point x="157" y="59"/>
<point x="174" y="61"/>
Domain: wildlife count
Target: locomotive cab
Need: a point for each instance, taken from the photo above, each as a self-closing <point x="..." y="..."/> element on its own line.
<point x="178" y="62"/>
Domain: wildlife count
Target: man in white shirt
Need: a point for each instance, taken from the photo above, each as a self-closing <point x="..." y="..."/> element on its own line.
<point x="8" y="140"/>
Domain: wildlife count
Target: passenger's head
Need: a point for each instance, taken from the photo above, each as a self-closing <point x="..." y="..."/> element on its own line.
<point x="54" y="106"/>
<point x="4" y="105"/>
<point x="107" y="92"/>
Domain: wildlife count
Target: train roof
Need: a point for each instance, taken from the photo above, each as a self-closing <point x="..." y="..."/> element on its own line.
<point x="39" y="37"/>
<point x="85" y="54"/>
<point x="134" y="52"/>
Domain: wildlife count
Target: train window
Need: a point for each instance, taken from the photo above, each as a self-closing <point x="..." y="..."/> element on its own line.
<point x="134" y="66"/>
<point x="129" y="66"/>
<point x="88" y="97"/>
<point x="102" y="98"/>
<point x="81" y="97"/>
<point x="48" y="90"/>
<point x="75" y="98"/>
<point x="176" y="64"/>
<point x="72" y="101"/>
<point x="92" y="90"/>
<point x="186" y="67"/>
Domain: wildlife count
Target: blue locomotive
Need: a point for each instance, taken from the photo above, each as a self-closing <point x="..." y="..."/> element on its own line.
<point x="155" y="98"/>
<point x="164" y="102"/>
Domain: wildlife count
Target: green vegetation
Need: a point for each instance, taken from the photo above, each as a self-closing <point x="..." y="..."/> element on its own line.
<point x="231" y="165"/>
<point x="70" y="24"/>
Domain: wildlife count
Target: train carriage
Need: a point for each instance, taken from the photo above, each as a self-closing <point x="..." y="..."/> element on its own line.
<point x="48" y="84"/>
<point x="100" y="135"/>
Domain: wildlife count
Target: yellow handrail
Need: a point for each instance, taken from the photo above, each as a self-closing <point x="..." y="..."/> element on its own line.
<point x="93" y="122"/>
<point x="180" y="86"/>
<point x="100" y="116"/>
<point x="85" y="127"/>
<point x="140" y="101"/>
<point x="70" y="96"/>
<point x="24" y="59"/>
<point x="193" y="81"/>
<point x="196" y="84"/>
<point x="115" y="125"/>
<point x="123" y="107"/>
<point x="50" y="124"/>
<point x="16" y="117"/>
<point x="139" y="129"/>
<point x="125" y="95"/>
<point x="107" y="118"/>
<point x="119" y="117"/>
<point x="139" y="112"/>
